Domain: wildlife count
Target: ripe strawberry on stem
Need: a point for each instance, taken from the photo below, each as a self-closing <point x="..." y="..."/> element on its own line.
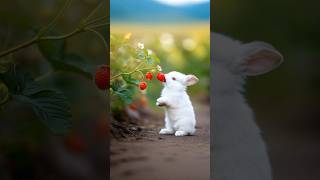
<point x="149" y="75"/>
<point x="161" y="77"/>
<point x="102" y="77"/>
<point x="143" y="85"/>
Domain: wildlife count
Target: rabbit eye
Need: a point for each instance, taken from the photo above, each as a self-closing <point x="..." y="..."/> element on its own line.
<point x="173" y="78"/>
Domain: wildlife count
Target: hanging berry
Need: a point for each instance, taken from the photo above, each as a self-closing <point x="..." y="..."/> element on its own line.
<point x="102" y="77"/>
<point x="143" y="85"/>
<point x="149" y="75"/>
<point x="161" y="77"/>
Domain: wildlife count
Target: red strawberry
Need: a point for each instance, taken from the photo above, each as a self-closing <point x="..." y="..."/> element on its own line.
<point x="102" y="78"/>
<point x="143" y="85"/>
<point x="161" y="77"/>
<point x="149" y="75"/>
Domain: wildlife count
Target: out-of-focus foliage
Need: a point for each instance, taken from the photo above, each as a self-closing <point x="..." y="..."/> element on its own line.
<point x="49" y="105"/>
<point x="42" y="85"/>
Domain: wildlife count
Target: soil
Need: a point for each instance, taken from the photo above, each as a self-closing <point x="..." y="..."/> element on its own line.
<point x="158" y="157"/>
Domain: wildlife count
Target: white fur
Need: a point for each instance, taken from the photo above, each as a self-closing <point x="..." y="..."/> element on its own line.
<point x="239" y="152"/>
<point x="179" y="114"/>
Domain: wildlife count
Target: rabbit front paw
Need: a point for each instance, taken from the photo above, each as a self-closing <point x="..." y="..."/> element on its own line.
<point x="162" y="102"/>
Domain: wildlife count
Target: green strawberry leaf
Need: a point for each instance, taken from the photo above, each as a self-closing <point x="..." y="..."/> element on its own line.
<point x="140" y="54"/>
<point x="149" y="60"/>
<point x="50" y="106"/>
<point x="74" y="63"/>
<point x="125" y="95"/>
<point x="116" y="85"/>
<point x="128" y="78"/>
<point x="54" y="51"/>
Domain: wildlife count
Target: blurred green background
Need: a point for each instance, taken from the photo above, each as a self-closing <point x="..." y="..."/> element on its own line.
<point x="28" y="150"/>
<point x="286" y="101"/>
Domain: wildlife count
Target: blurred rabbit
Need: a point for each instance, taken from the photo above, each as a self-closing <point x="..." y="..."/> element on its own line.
<point x="179" y="114"/>
<point x="239" y="152"/>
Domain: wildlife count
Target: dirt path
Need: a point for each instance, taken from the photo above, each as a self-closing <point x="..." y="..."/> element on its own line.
<point x="163" y="157"/>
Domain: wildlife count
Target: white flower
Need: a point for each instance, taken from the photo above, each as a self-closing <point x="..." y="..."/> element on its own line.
<point x="159" y="68"/>
<point x="149" y="51"/>
<point x="140" y="45"/>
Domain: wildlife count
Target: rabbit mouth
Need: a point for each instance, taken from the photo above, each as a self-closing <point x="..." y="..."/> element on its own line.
<point x="164" y="79"/>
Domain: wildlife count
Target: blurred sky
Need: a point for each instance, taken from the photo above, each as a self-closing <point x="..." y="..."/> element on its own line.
<point x="159" y="11"/>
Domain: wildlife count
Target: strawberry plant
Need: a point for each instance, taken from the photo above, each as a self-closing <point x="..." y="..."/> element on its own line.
<point x="48" y="104"/>
<point x="131" y="64"/>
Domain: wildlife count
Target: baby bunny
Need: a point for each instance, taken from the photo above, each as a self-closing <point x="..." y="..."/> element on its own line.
<point x="179" y="114"/>
<point x="239" y="151"/>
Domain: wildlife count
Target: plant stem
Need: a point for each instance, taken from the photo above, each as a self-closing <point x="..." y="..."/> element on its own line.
<point x="37" y="39"/>
<point x="65" y="36"/>
<point x="20" y="46"/>
<point x="99" y="36"/>
<point x="141" y="73"/>
<point x="136" y="70"/>
<point x="96" y="20"/>
<point x="77" y="30"/>
<point x="93" y="11"/>
<point x="53" y="22"/>
<point x="45" y="38"/>
<point x="99" y="25"/>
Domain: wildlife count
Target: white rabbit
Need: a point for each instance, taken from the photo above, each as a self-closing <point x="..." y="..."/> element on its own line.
<point x="179" y="114"/>
<point x="239" y="152"/>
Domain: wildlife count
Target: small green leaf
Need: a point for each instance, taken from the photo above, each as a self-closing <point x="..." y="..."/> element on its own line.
<point x="128" y="78"/>
<point x="116" y="85"/>
<point x="74" y="63"/>
<point x="53" y="50"/>
<point x="140" y="54"/>
<point x="51" y="108"/>
<point x="14" y="79"/>
<point x="123" y="92"/>
<point x="149" y="60"/>
<point x="125" y="95"/>
<point x="49" y="105"/>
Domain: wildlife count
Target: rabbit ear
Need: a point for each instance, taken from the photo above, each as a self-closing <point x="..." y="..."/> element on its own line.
<point x="259" y="58"/>
<point x="191" y="79"/>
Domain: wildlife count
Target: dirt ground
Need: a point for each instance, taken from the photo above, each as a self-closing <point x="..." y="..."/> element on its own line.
<point x="159" y="157"/>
